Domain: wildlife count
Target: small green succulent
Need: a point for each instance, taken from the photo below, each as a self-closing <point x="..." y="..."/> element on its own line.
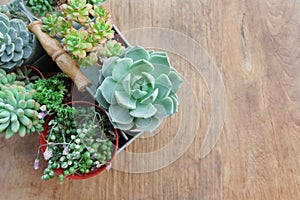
<point x="77" y="10"/>
<point x="95" y="2"/>
<point x="56" y="25"/>
<point x="78" y="43"/>
<point x="101" y="30"/>
<point x="100" y="11"/>
<point x="18" y="111"/>
<point x="8" y="78"/>
<point x="138" y="89"/>
<point x="39" y="7"/>
<point x="15" y="42"/>
<point x="110" y="48"/>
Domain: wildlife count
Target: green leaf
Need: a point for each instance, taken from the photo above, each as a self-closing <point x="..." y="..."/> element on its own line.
<point x="121" y="68"/>
<point x="27" y="50"/>
<point x="149" y="124"/>
<point x="161" y="65"/>
<point x="7" y="57"/>
<point x="126" y="84"/>
<point x="13" y="34"/>
<point x="107" y="89"/>
<point x="164" y="86"/>
<point x="125" y="100"/>
<point x="143" y="111"/>
<point x="119" y="114"/>
<point x="141" y="66"/>
<point x="8" y="133"/>
<point x="10" y="48"/>
<point x="175" y="80"/>
<point x="135" y="53"/>
<point x="107" y="67"/>
<point x="3" y="28"/>
<point x="100" y="99"/>
<point x="4" y="19"/>
<point x="17" y="56"/>
<point x="150" y="98"/>
<point x="18" y="44"/>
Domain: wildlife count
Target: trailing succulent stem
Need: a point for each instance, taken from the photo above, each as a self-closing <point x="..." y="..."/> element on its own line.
<point x="81" y="141"/>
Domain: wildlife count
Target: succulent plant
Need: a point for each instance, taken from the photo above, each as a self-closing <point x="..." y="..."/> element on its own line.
<point x="78" y="43"/>
<point x="106" y="50"/>
<point x="101" y="30"/>
<point x="109" y="49"/>
<point x="100" y="11"/>
<point x="12" y="10"/>
<point x="8" y="78"/>
<point x="39" y="7"/>
<point x="138" y="89"/>
<point x="56" y="25"/>
<point x="18" y="111"/>
<point x="59" y="2"/>
<point x="15" y="42"/>
<point x="95" y="2"/>
<point x="77" y="10"/>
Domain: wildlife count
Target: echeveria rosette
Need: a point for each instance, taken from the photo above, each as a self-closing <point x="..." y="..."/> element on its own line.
<point x="138" y="89"/>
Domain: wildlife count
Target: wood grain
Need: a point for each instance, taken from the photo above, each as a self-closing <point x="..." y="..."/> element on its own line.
<point x="255" y="45"/>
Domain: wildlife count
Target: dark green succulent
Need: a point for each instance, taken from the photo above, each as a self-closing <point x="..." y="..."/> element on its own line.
<point x="39" y="7"/>
<point x="95" y="2"/>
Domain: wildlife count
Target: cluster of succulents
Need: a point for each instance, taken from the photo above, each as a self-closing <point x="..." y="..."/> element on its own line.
<point x="138" y="88"/>
<point x="15" y="42"/>
<point x="80" y="27"/>
<point x="82" y="139"/>
<point x="109" y="49"/>
<point x="18" y="109"/>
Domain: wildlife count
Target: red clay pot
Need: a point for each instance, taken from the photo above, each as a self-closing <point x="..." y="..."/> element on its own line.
<point x="95" y="172"/>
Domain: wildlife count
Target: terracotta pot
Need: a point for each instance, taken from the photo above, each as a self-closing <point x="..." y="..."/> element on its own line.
<point x="43" y="143"/>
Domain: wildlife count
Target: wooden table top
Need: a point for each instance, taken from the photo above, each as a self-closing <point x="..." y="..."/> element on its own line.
<point x="240" y="61"/>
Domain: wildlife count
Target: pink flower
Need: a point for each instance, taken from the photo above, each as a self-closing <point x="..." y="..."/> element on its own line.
<point x="36" y="164"/>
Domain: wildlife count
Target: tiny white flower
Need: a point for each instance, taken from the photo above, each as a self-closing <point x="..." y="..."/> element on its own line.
<point x="43" y="108"/>
<point x="47" y="154"/>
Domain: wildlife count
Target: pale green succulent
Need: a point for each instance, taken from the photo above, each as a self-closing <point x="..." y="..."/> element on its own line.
<point x="15" y="42"/>
<point x="18" y="111"/>
<point x="138" y="89"/>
